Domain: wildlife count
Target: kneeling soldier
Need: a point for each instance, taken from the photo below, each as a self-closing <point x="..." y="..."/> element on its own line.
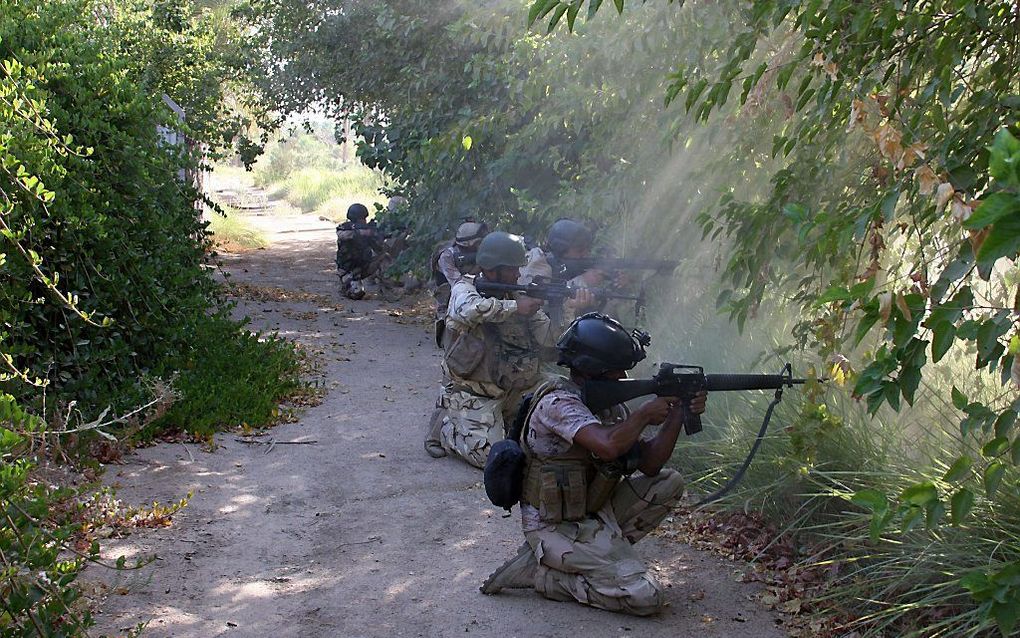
<point x="582" y="510"/>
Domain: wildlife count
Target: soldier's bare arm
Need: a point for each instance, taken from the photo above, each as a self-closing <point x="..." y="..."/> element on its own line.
<point x="609" y="443"/>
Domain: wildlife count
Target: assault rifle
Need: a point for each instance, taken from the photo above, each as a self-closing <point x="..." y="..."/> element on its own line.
<point x="574" y="266"/>
<point x="683" y="381"/>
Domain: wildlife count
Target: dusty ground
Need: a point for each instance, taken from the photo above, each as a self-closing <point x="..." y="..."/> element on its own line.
<point x="359" y="533"/>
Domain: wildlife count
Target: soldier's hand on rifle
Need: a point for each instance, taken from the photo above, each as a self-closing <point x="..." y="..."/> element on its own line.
<point x="698" y="402"/>
<point x="582" y="301"/>
<point x="656" y="410"/>
<point x="528" y="306"/>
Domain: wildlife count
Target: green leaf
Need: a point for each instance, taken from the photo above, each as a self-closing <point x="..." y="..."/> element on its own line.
<point x="959" y="399"/>
<point x="836" y="293"/>
<point x="920" y="494"/>
<point x="992" y="209"/>
<point x="466" y="142"/>
<point x="557" y="14"/>
<point x="593" y="6"/>
<point x="1014" y="452"/>
<point x="1003" y="158"/>
<point x="1006" y="614"/>
<point x="539" y="9"/>
<point x="1002" y="241"/>
<point x="572" y="14"/>
<point x="619" y="5"/>
<point x="694" y="93"/>
<point x="959" y="469"/>
<point x="995" y="447"/>
<point x="1005" y="423"/>
<point x="943" y="335"/>
<point x="960" y="505"/>
<point x="911" y="518"/>
<point x="993" y="476"/>
<point x="870" y="499"/>
<point x="976" y="582"/>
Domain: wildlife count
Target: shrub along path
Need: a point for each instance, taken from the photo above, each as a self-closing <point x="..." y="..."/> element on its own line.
<point x="357" y="532"/>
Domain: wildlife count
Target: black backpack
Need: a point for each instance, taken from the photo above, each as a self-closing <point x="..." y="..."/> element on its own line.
<point x="504" y="467"/>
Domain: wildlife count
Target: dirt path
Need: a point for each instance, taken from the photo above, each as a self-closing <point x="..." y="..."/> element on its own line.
<point x="361" y="533"/>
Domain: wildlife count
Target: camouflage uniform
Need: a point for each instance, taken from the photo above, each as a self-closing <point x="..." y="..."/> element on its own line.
<point x="446" y="273"/>
<point x="493" y="356"/>
<point x="357" y="246"/>
<point x="589" y="557"/>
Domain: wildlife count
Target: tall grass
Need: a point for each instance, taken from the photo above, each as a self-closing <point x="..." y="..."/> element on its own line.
<point x="329" y="191"/>
<point x="312" y="175"/>
<point x="822" y="448"/>
<point x="233" y="233"/>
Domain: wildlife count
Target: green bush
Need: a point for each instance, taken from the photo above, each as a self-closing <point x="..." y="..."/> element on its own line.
<point x="37" y="575"/>
<point x="229" y="377"/>
<point x="102" y="284"/>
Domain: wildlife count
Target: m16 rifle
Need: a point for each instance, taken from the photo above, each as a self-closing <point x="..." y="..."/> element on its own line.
<point x="682" y="381"/>
<point x="553" y="291"/>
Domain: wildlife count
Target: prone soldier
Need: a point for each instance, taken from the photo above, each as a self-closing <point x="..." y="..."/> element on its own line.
<point x="583" y="506"/>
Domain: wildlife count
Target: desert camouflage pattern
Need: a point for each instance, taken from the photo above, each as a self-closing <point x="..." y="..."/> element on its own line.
<point x="473" y="423"/>
<point x="593" y="561"/>
<point x="480" y="407"/>
<point x="513" y="357"/>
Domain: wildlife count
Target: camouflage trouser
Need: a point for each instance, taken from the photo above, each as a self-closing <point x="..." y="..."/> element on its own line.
<point x="473" y="423"/>
<point x="593" y="561"/>
<point x="351" y="284"/>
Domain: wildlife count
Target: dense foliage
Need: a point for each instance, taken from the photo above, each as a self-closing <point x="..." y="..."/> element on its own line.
<point x="851" y="169"/>
<point x="104" y="294"/>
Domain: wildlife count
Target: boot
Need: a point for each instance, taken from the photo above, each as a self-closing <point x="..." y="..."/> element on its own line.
<point x="517" y="573"/>
<point x="433" y="439"/>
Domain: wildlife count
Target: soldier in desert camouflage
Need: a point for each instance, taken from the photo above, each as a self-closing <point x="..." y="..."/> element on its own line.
<point x="493" y="351"/>
<point x="593" y="486"/>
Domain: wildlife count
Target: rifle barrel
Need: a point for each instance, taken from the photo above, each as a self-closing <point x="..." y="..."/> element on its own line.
<point x="730" y="382"/>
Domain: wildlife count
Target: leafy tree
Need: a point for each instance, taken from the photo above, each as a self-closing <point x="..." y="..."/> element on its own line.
<point x="896" y="204"/>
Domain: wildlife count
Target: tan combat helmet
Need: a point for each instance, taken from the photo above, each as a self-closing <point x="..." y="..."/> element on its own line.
<point x="470" y="234"/>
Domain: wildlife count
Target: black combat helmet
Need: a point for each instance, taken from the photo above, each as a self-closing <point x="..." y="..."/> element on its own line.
<point x="595" y="344"/>
<point x="565" y="234"/>
<point x="357" y="213"/>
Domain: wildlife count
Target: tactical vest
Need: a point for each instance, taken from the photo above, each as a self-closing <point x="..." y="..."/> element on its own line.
<point x="355" y="244"/>
<point x="574" y="484"/>
<point x="503" y="354"/>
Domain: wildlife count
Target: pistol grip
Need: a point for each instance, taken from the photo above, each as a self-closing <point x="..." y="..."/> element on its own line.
<point x="691" y="421"/>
